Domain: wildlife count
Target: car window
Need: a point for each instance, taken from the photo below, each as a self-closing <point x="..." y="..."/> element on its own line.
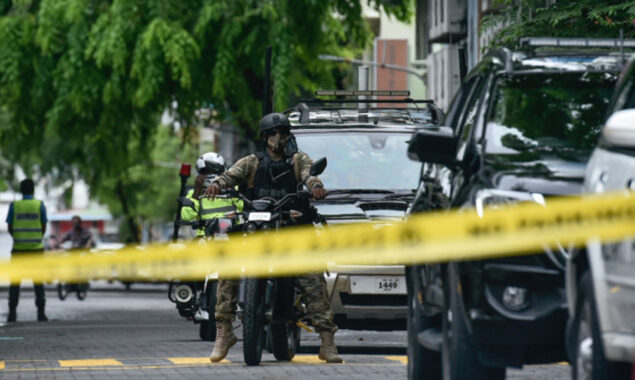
<point x="625" y="94"/>
<point x="364" y="160"/>
<point x="454" y="115"/>
<point x="468" y="114"/>
<point x="547" y="111"/>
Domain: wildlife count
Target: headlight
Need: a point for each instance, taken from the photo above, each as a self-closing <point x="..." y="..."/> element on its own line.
<point x="496" y="197"/>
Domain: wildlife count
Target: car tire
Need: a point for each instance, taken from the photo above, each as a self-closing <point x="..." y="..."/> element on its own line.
<point x="588" y="360"/>
<point x="207" y="329"/>
<point x="459" y="358"/>
<point x="423" y="363"/>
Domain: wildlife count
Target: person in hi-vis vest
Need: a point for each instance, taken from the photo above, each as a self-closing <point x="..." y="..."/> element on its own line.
<point x="27" y="225"/>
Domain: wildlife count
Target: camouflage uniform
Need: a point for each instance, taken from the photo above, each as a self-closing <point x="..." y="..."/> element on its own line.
<point x="313" y="286"/>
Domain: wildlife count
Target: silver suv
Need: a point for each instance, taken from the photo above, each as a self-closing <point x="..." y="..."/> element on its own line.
<point x="369" y="179"/>
<point x="600" y="280"/>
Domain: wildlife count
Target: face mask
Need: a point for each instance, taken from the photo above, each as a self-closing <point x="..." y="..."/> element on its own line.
<point x="276" y="142"/>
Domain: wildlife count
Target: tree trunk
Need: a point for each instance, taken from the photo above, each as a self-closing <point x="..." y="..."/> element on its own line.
<point x="126" y="211"/>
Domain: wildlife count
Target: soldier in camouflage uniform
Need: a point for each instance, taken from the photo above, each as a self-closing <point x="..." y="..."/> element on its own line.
<point x="274" y="172"/>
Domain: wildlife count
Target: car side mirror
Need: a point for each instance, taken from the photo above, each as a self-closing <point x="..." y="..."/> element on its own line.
<point x="434" y="145"/>
<point x="318" y="167"/>
<point x="619" y="129"/>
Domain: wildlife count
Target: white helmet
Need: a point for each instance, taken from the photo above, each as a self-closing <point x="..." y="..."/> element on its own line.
<point x="210" y="164"/>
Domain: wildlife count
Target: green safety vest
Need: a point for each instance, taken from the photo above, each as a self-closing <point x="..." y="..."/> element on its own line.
<point x="211" y="209"/>
<point x="27" y="225"/>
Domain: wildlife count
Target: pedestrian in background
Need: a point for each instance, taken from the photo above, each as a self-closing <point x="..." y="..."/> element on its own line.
<point x="27" y="225"/>
<point x="79" y="236"/>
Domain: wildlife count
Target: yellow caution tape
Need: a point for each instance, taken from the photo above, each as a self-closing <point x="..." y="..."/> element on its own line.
<point x="425" y="238"/>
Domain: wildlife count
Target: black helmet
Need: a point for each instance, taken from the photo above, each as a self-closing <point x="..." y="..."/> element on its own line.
<point x="274" y="120"/>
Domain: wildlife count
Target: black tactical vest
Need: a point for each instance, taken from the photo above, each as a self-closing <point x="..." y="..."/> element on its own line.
<point x="274" y="178"/>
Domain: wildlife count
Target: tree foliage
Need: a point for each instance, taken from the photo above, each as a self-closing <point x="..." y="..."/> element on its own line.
<point x="83" y="82"/>
<point x="564" y="18"/>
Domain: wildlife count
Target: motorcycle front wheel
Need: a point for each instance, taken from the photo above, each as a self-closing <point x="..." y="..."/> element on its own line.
<point x="253" y="321"/>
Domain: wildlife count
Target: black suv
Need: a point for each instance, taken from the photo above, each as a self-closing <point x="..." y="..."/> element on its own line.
<point x="520" y="129"/>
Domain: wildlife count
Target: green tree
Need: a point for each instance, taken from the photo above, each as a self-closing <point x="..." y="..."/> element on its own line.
<point x="83" y="82"/>
<point x="564" y="18"/>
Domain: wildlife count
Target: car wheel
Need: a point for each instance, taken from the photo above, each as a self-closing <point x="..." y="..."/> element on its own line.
<point x="423" y="363"/>
<point x="588" y="361"/>
<point x="458" y="353"/>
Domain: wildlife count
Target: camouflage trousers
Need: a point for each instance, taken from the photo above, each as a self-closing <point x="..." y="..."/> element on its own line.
<point x="314" y="296"/>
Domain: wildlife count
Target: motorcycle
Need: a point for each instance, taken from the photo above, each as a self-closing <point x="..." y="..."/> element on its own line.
<point x="64" y="288"/>
<point x="270" y="308"/>
<point x="196" y="300"/>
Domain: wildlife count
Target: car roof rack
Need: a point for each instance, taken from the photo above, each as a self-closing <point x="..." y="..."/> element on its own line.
<point x="576" y="42"/>
<point x="364" y="97"/>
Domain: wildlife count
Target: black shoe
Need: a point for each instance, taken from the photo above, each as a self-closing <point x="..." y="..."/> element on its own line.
<point x="12" y="316"/>
<point x="41" y="317"/>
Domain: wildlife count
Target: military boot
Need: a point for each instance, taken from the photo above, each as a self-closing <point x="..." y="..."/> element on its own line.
<point x="328" y="351"/>
<point x="225" y="339"/>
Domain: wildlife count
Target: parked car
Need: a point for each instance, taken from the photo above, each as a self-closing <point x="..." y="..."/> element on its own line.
<point x="369" y="179"/>
<point x="601" y="278"/>
<point x="520" y="129"/>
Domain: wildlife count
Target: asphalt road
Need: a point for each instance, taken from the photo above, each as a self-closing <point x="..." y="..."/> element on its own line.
<point x="138" y="334"/>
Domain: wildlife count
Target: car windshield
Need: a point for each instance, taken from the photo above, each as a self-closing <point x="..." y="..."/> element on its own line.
<point x="548" y="111"/>
<point x="370" y="160"/>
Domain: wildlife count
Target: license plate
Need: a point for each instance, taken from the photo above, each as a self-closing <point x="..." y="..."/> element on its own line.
<point x="377" y="284"/>
<point x="259" y="216"/>
<point x="389" y="284"/>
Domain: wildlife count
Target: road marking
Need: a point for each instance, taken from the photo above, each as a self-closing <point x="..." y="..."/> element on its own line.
<point x="308" y="359"/>
<point x="203" y="360"/>
<point x="90" y="363"/>
<point x="403" y="358"/>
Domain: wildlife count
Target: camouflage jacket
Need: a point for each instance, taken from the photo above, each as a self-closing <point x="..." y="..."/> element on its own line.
<point x="244" y="171"/>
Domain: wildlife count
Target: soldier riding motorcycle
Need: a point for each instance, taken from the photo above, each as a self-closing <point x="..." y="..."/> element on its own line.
<point x="196" y="300"/>
<point x="273" y="173"/>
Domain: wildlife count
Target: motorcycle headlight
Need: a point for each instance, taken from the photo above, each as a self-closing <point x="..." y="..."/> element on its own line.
<point x="492" y="198"/>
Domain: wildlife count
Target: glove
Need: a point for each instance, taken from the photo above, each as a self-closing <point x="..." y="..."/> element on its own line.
<point x="319" y="193"/>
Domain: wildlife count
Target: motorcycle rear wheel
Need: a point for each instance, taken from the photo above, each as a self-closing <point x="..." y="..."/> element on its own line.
<point x="285" y="340"/>
<point x="207" y="329"/>
<point x="253" y="321"/>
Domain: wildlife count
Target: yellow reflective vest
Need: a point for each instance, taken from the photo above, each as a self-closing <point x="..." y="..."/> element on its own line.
<point x="211" y="209"/>
<point x="27" y="225"/>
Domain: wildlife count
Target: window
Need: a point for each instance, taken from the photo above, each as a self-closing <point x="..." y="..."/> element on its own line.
<point x="548" y="112"/>
<point x="363" y="160"/>
<point x="469" y="113"/>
